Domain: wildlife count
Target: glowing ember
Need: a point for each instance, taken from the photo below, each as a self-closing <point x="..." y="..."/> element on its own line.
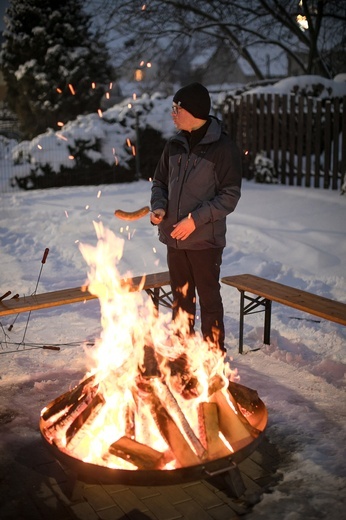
<point x="154" y="397"/>
<point x="72" y="90"/>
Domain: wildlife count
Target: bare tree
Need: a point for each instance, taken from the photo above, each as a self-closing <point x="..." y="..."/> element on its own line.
<point x="171" y="30"/>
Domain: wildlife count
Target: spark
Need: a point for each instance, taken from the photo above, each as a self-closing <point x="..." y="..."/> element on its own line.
<point x="93" y="85"/>
<point x="71" y="89"/>
<point x="110" y="86"/>
<point x="59" y="91"/>
<point x="61" y="137"/>
<point x="66" y="214"/>
<point x="99" y="194"/>
<point x="60" y="123"/>
<point x="87" y="206"/>
<point x="154" y="249"/>
<point x="71" y="157"/>
<point x="39" y="147"/>
<point x="107" y="95"/>
<point x="134" y="96"/>
<point x="99" y="112"/>
<point x="302" y="22"/>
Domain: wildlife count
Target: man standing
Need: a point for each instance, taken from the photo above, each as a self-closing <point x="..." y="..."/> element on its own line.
<point x="196" y="185"/>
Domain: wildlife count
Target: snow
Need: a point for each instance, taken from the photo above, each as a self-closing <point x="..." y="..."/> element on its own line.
<point x="310" y="85"/>
<point x="293" y="235"/>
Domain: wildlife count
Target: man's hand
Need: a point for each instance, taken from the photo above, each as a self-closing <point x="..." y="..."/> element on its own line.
<point x="157" y="216"/>
<point x="183" y="229"/>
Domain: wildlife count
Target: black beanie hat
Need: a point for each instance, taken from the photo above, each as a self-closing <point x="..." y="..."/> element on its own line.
<point x="195" y="99"/>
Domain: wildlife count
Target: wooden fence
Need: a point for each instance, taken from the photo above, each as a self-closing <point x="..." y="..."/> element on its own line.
<point x="305" y="137"/>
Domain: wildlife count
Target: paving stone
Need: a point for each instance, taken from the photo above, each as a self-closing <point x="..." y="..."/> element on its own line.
<point x="111" y="513"/>
<point x="128" y="501"/>
<point x="145" y="491"/>
<point x="190" y="510"/>
<point x="252" y="469"/>
<point x="84" y="511"/>
<point x="203" y="495"/>
<point x="223" y="512"/>
<point x="160" y="506"/>
<point x="97" y="497"/>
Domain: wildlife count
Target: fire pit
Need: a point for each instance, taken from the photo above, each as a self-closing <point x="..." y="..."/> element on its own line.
<point x="160" y="406"/>
<point x="231" y="426"/>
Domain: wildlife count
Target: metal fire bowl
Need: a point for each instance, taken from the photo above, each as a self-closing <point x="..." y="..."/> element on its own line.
<point x="158" y="477"/>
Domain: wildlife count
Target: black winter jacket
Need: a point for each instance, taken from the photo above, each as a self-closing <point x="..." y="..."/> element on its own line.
<point x="204" y="181"/>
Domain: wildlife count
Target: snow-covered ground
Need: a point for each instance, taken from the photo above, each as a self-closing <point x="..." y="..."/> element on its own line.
<point x="293" y="235"/>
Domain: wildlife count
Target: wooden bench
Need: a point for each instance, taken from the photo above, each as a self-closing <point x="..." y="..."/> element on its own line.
<point x="266" y="291"/>
<point x="153" y="284"/>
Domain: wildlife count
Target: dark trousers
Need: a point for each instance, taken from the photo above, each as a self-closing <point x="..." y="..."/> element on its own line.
<point x="192" y="270"/>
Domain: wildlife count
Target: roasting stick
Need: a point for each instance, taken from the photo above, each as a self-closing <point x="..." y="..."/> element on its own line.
<point x="43" y="261"/>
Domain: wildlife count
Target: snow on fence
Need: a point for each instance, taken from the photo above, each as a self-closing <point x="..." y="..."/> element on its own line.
<point x="304" y="137"/>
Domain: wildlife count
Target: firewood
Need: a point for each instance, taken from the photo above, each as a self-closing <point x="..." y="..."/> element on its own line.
<point x="216" y="383"/>
<point x="183" y="453"/>
<point x="72" y="412"/>
<point x="84" y="419"/>
<point x="67" y="399"/>
<point x="174" y="409"/>
<point x="233" y="425"/>
<point x="130" y="427"/>
<point x="182" y="380"/>
<point x="140" y="455"/>
<point x="208" y="422"/>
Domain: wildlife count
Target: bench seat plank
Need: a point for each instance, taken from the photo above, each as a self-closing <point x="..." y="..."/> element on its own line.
<point x="76" y="294"/>
<point x="311" y="303"/>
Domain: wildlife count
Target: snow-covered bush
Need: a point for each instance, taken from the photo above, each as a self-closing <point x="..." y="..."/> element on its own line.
<point x="264" y="169"/>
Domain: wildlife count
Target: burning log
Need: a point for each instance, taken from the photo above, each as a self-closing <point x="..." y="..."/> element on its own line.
<point x="140" y="455"/>
<point x="150" y="364"/>
<point x="216" y="383"/>
<point x="182" y="380"/>
<point x="171" y="433"/>
<point x="130" y="428"/>
<point x="233" y="425"/>
<point x="208" y="422"/>
<point x="68" y="398"/>
<point x="83" y="420"/>
<point x="73" y="411"/>
<point x="171" y="404"/>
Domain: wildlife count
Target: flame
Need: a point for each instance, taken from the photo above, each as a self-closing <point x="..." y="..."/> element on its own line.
<point x="125" y="394"/>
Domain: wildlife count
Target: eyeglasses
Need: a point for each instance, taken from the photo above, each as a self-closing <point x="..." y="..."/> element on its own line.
<point x="175" y="110"/>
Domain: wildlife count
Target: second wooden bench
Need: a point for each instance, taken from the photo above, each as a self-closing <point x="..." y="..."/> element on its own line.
<point x="265" y="291"/>
<point x="153" y="284"/>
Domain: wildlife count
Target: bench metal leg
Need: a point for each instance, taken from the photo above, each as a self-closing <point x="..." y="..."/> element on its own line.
<point x="241" y="322"/>
<point x="160" y="296"/>
<point x="250" y="308"/>
<point x="267" y="321"/>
